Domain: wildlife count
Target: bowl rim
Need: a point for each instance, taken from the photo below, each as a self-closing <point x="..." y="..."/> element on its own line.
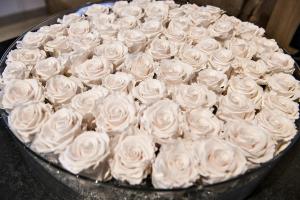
<point x="199" y="187"/>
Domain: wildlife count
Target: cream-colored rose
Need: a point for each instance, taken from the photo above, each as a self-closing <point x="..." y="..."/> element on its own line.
<point x="96" y="9"/>
<point x="221" y="60"/>
<point x="17" y="92"/>
<point x="107" y="30"/>
<point x="79" y="29"/>
<point x="55" y="30"/>
<point x="88" y="154"/>
<point x="281" y="128"/>
<point x="33" y="40"/>
<point x="221" y="29"/>
<point x="128" y="22"/>
<point x="140" y="65"/>
<point x="149" y="91"/>
<point x="208" y="45"/>
<point x="15" y="70"/>
<point x="193" y="56"/>
<point x="93" y="71"/>
<point x="247" y="87"/>
<point x="85" y="43"/>
<point x="284" y="85"/>
<point x="26" y="120"/>
<point x="141" y="3"/>
<point x="213" y="10"/>
<point x="256" y="144"/>
<point x="45" y="69"/>
<point x="241" y="48"/>
<point x="279" y="62"/>
<point x="152" y="28"/>
<point x="132" y="158"/>
<point x="174" y="167"/>
<point x="162" y="121"/>
<point x="177" y="13"/>
<point x="119" y="81"/>
<point x="264" y="45"/>
<point x="157" y="10"/>
<point x="248" y="31"/>
<point x="283" y="105"/>
<point x="201" y="123"/>
<point x="131" y="10"/>
<point x="176" y="30"/>
<point x="213" y="79"/>
<point x="162" y="49"/>
<point x="119" y="6"/>
<point x="194" y="96"/>
<point x="58" y="132"/>
<point x="69" y="19"/>
<point x="196" y="34"/>
<point x="114" y="52"/>
<point x="173" y="71"/>
<point x="26" y="56"/>
<point x="220" y="160"/>
<point x="116" y="113"/>
<point x="135" y="40"/>
<point x="255" y="70"/>
<point x="235" y="106"/>
<point x="58" y="46"/>
<point x="201" y="18"/>
<point x="60" y="89"/>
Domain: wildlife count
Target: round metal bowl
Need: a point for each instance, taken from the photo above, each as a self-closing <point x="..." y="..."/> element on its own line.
<point x="69" y="186"/>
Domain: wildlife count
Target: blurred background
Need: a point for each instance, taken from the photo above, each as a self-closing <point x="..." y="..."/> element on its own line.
<point x="280" y="18"/>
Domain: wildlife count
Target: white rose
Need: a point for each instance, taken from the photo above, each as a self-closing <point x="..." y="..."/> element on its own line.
<point x="54" y="30"/>
<point x="208" y="45"/>
<point x="157" y="9"/>
<point x="281" y="128"/>
<point x="283" y="105"/>
<point x="45" y="69"/>
<point x="255" y="142"/>
<point x="119" y="6"/>
<point x="96" y="9"/>
<point x="201" y="18"/>
<point x="106" y="29"/>
<point x="69" y="19"/>
<point x="279" y="62"/>
<point x="193" y="56"/>
<point x="58" y="132"/>
<point x="284" y="85"/>
<point x="26" y="120"/>
<point x="140" y="65"/>
<point x="221" y="60"/>
<point x="247" y="87"/>
<point x="114" y="52"/>
<point x="176" y="30"/>
<point x="241" y="48"/>
<point x="85" y="43"/>
<point x="58" y="46"/>
<point x="235" y="106"/>
<point x="88" y="154"/>
<point x="248" y="31"/>
<point x="132" y="158"/>
<point x="201" y="123"/>
<point x="174" y="167"/>
<point x="15" y="70"/>
<point x="26" y="56"/>
<point x="152" y="28"/>
<point x="18" y="92"/>
<point x="149" y="91"/>
<point x="162" y="49"/>
<point x="220" y="160"/>
<point x="265" y="45"/>
<point x="213" y="10"/>
<point x="213" y="79"/>
<point x="79" y="29"/>
<point x="194" y="96"/>
<point x="177" y="13"/>
<point x="162" y="120"/>
<point x="33" y="40"/>
<point x="93" y="71"/>
<point x="196" y="34"/>
<point x="141" y="3"/>
<point x="128" y="22"/>
<point x="60" y="89"/>
<point x="131" y="10"/>
<point x="73" y="59"/>
<point x="134" y="39"/>
<point x="116" y="113"/>
<point x="173" y="71"/>
<point x="221" y="29"/>
<point x="119" y="81"/>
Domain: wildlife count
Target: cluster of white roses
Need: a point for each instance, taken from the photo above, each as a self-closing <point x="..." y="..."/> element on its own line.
<point x="183" y="94"/>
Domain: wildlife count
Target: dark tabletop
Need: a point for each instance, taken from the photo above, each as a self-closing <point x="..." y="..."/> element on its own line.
<point x="17" y="183"/>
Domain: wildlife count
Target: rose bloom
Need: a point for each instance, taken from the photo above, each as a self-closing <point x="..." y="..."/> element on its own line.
<point x="241" y="48"/>
<point x="86" y="43"/>
<point x="151" y="28"/>
<point x="265" y="45"/>
<point x="175" y="31"/>
<point x="221" y="60"/>
<point x="248" y="31"/>
<point x="88" y="154"/>
<point x="215" y="80"/>
<point x="54" y="30"/>
<point x="107" y="30"/>
<point x="33" y="40"/>
<point x="247" y="87"/>
<point x="149" y="91"/>
<point x="69" y="19"/>
<point x="45" y="69"/>
<point x="128" y="22"/>
<point x="196" y="34"/>
<point x="194" y="96"/>
<point x="256" y="144"/>
<point x="221" y="29"/>
<point x="58" y="132"/>
<point x="279" y="62"/>
<point x="157" y="10"/>
<point x="116" y="113"/>
<point x="26" y="56"/>
<point x="140" y="65"/>
<point x="15" y="70"/>
<point x="130" y="10"/>
<point x="162" y="49"/>
<point x="208" y="45"/>
<point x="17" y="92"/>
<point x="134" y="39"/>
<point x="119" y="81"/>
<point x="96" y="9"/>
<point x="162" y="120"/>
<point x="26" y="120"/>
<point x="61" y="89"/>
<point x="93" y="71"/>
<point x="219" y="160"/>
<point x="201" y="123"/>
<point x="235" y="106"/>
<point x="174" y="167"/>
<point x="78" y="29"/>
<point x="58" y="46"/>
<point x="132" y="157"/>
